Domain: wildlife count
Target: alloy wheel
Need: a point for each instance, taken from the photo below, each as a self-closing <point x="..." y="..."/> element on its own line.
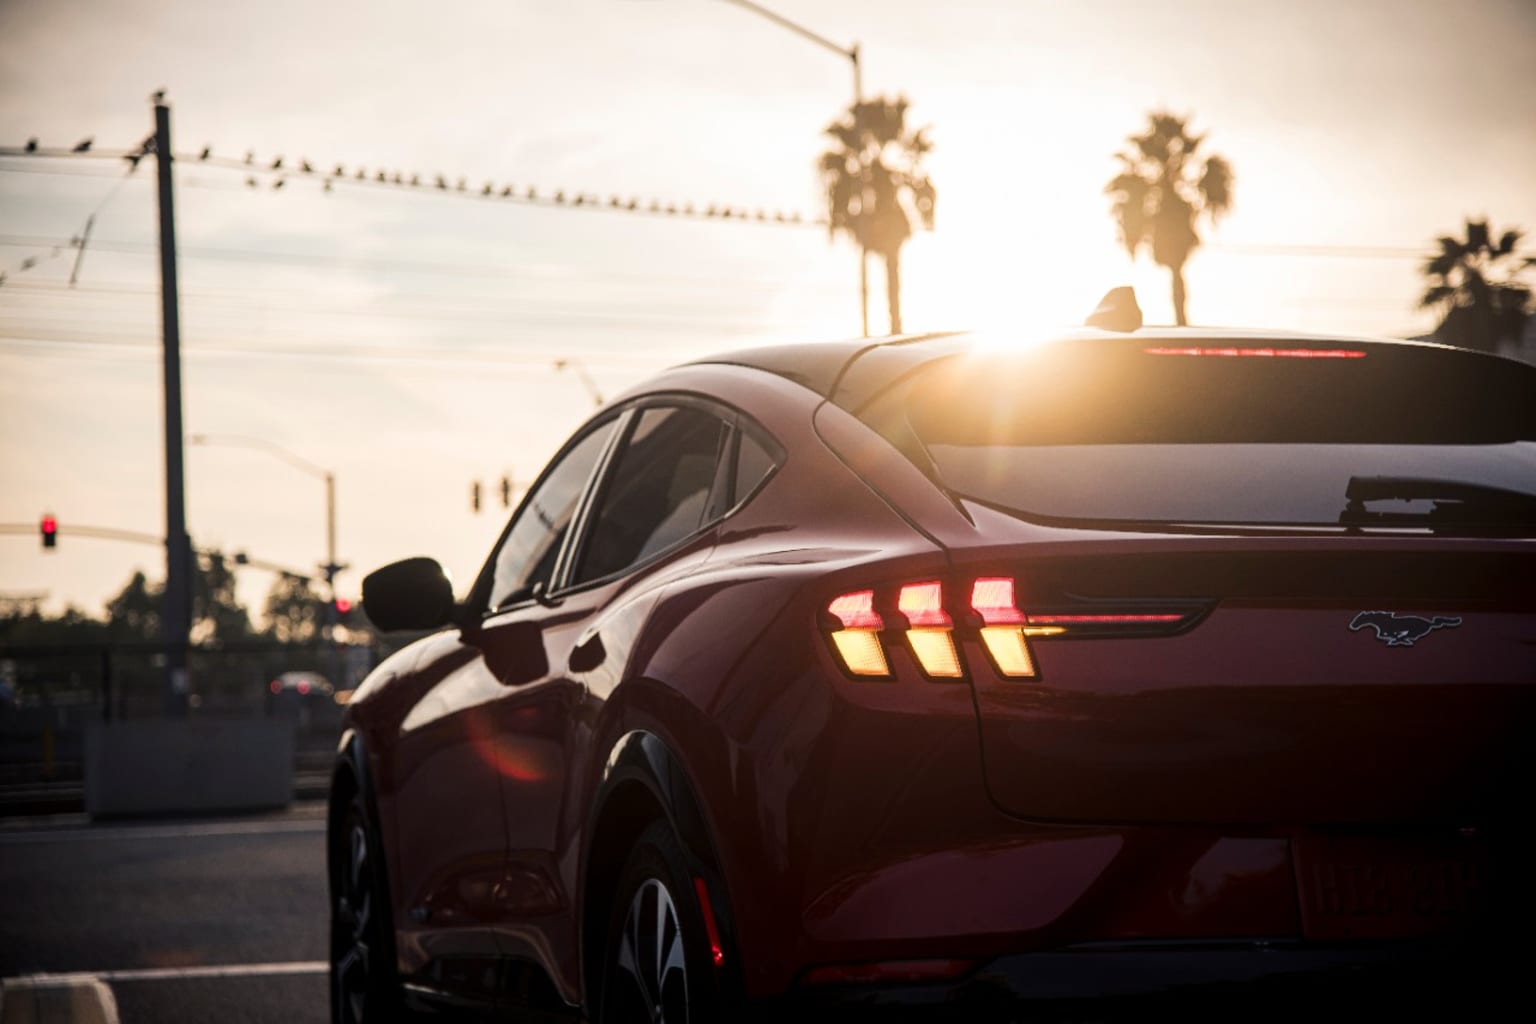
<point x="651" y="957"/>
<point x="352" y="930"/>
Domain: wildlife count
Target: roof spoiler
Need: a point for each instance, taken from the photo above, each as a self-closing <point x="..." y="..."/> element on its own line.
<point x="1117" y="311"/>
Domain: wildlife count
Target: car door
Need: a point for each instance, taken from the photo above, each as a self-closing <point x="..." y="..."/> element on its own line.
<point x="453" y="876"/>
<point x="646" y="522"/>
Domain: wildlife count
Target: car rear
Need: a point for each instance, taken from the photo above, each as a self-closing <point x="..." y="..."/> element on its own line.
<point x="1248" y="623"/>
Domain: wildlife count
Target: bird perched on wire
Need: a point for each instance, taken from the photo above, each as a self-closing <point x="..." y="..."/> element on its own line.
<point x="304" y="166"/>
<point x="31" y="145"/>
<point x="83" y="146"/>
<point x="278" y="184"/>
<point x="277" y="164"/>
<point x="206" y="153"/>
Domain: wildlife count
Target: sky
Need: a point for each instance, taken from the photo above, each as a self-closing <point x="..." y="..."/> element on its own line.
<point x="407" y="340"/>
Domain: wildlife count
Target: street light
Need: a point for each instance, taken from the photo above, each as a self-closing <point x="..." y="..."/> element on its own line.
<point x="331" y="567"/>
<point x="852" y="53"/>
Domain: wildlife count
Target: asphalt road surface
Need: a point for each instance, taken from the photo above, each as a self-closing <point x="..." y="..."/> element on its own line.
<point x="184" y="921"/>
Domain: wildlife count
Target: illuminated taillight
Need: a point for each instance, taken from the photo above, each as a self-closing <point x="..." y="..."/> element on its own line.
<point x="858" y="641"/>
<point x="1105" y="620"/>
<point x="930" y="627"/>
<point x="276" y="686"/>
<point x="1003" y="626"/>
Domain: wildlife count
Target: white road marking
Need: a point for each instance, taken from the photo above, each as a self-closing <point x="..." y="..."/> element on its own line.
<point x="169" y="973"/>
<point x="115" y="833"/>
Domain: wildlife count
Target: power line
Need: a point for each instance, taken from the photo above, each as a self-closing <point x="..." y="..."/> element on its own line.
<point x="277" y="173"/>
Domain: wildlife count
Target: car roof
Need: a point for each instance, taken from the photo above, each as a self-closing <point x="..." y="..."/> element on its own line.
<point x="850" y="372"/>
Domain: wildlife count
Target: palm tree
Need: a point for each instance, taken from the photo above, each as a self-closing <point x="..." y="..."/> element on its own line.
<point x="1162" y="189"/>
<point x="1479" y="311"/>
<point x="874" y="177"/>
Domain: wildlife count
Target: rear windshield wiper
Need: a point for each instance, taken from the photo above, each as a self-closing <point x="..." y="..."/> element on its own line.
<point x="1451" y="503"/>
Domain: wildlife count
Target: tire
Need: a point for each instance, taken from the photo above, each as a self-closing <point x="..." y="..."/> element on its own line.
<point x="657" y="965"/>
<point x="364" y="987"/>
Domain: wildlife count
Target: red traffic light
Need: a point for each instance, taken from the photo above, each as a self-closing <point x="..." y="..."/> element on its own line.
<point x="50" y="531"/>
<point x="343" y="605"/>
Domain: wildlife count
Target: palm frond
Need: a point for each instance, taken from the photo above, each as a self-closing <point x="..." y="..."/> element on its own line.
<point x="1216" y="186"/>
<point x="1477" y="235"/>
<point x="1436" y="295"/>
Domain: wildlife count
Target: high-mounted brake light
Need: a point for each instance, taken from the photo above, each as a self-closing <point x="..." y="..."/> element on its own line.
<point x="1003" y="626"/>
<point x="858" y="642"/>
<point x="929" y="635"/>
<point x="1261" y="353"/>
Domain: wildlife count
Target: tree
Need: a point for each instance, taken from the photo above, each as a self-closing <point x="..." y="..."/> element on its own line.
<point x="134" y="614"/>
<point x="1162" y="190"/>
<point x="294" y="612"/>
<point x="875" y="184"/>
<point x="1476" y="283"/>
<point x="217" y="615"/>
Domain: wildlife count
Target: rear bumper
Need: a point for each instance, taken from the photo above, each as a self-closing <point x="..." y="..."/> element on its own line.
<point x="1260" y="979"/>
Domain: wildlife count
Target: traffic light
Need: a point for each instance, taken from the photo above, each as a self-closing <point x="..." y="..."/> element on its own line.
<point x="50" y="531"/>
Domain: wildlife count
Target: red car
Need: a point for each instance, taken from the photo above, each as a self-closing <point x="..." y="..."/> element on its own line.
<point x="960" y="672"/>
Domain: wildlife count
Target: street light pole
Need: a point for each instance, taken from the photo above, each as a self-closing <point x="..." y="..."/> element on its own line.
<point x="852" y="53"/>
<point x="331" y="567"/>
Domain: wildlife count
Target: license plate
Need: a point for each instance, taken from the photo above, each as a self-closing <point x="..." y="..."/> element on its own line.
<point x="1370" y="888"/>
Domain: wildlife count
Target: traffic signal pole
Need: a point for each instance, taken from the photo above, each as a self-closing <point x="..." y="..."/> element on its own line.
<point x="177" y="623"/>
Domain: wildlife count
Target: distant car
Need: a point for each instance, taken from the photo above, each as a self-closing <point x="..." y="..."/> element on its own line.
<point x="298" y="695"/>
<point x="959" y="672"/>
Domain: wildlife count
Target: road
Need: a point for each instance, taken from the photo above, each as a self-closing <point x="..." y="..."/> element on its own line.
<point x="149" y="908"/>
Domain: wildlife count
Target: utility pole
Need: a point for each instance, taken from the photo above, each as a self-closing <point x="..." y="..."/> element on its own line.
<point x="177" y="622"/>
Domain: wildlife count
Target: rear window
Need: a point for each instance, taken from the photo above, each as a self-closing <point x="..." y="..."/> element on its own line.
<point x="1140" y="431"/>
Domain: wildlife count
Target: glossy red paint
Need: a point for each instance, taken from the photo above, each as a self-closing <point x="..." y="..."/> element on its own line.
<point x="1140" y="788"/>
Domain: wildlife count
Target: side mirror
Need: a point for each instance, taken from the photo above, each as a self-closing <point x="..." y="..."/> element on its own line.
<point x="411" y="594"/>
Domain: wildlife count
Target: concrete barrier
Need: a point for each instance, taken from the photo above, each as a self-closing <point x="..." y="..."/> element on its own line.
<point x="187" y="767"/>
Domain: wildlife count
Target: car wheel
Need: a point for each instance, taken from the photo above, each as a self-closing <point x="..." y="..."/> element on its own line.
<point x="363" y="983"/>
<point x="657" y="966"/>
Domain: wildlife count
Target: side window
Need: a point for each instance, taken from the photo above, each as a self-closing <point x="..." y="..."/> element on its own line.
<point x="658" y="491"/>
<point x="527" y="554"/>
<point x="753" y="463"/>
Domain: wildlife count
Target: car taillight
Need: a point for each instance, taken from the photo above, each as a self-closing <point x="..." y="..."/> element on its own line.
<point x="1003" y="626"/>
<point x="929" y="629"/>
<point x="858" y="642"/>
<point x="1004" y="629"/>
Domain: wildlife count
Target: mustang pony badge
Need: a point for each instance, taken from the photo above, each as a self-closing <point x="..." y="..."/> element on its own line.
<point x="1402" y="630"/>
